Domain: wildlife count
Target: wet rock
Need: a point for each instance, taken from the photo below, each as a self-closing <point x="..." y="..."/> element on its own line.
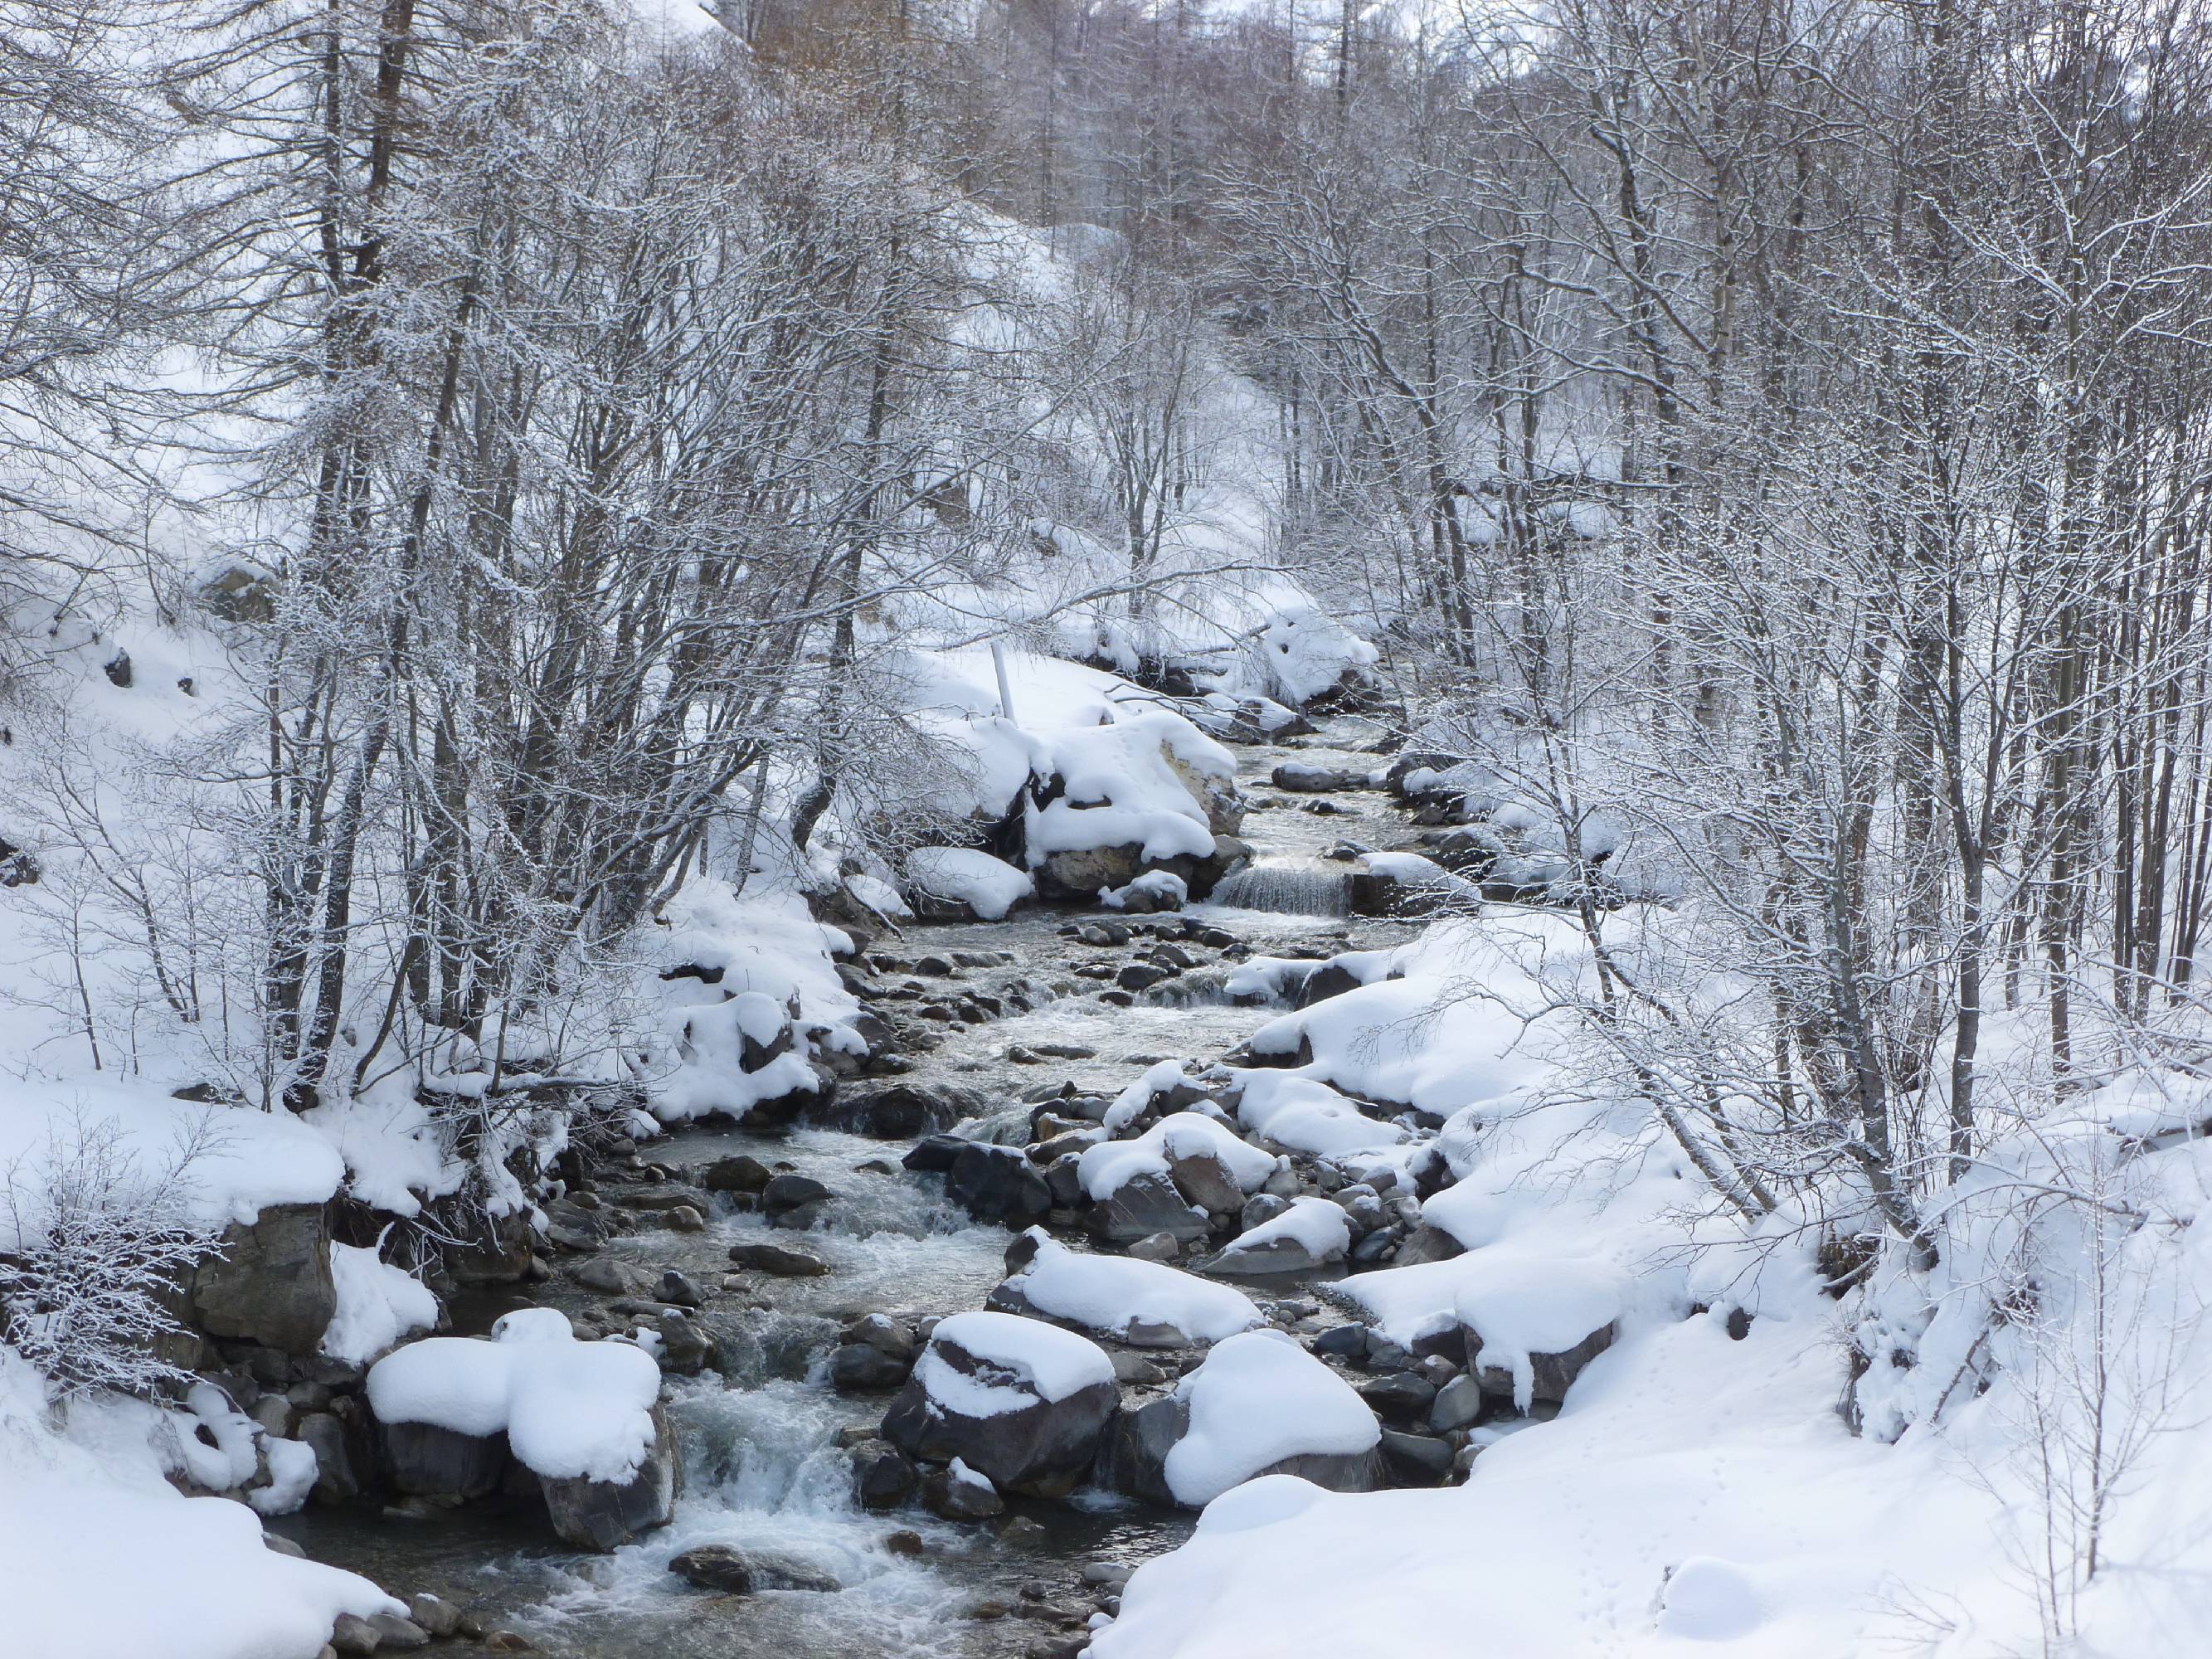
<point x="905" y="1542"/>
<point x="397" y="1635"/>
<point x="779" y="1261"/>
<point x="857" y="1368"/>
<point x="997" y="1183"/>
<point x="1398" y="1396"/>
<point x="736" y="1174"/>
<point x="934" y="1155"/>
<point x="740" y="1573"/>
<point x="1021" y="1532"/>
<point x="350" y="1634"/>
<point x="1144" y="1206"/>
<point x="883" y="1333"/>
<point x="684" y="1350"/>
<point x="424" y="1461"/>
<point x="883" y="1477"/>
<point x="785" y="1193"/>
<point x="435" y="1614"/>
<point x="675" y="1289"/>
<point x="604" y="1515"/>
<point x="1139" y="976"/>
<point x="958" y="1492"/>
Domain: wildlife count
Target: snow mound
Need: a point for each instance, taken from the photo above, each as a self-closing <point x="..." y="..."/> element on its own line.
<point x="1520" y="1306"/>
<point x="1109" y="1293"/>
<point x="1259" y="1399"/>
<point x="1132" y="783"/>
<point x="1315" y="1226"/>
<point x="1106" y="1168"/>
<point x="1307" y="1116"/>
<point x="1309" y="654"/>
<point x="570" y="1410"/>
<point x="985" y="886"/>
<point x="1037" y="1362"/>
<point x="378" y="1304"/>
<point x="395" y="1156"/>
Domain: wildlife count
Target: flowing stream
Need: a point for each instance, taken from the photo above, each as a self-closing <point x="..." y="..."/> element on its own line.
<point x="763" y="1463"/>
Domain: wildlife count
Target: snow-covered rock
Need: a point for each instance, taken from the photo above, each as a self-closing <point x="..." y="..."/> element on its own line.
<point x="1149" y="791"/>
<point x="1309" y="1234"/>
<point x="1209" y="1165"/>
<point x="949" y="883"/>
<point x="1148" y="1304"/>
<point x="1020" y="1400"/>
<point x="1259" y="1404"/>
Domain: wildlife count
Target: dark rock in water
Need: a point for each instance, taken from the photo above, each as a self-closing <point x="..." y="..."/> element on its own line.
<point x="882" y="1332"/>
<point x="740" y="1573"/>
<point x="434" y="1613"/>
<point x="1398" y="1396"/>
<point x="678" y="1290"/>
<point x="573" y="1227"/>
<point x="736" y="1174"/>
<point x="905" y="1109"/>
<point x="905" y="1542"/>
<point x="1416" y="1459"/>
<point x="424" y="1461"/>
<point x="779" y="1261"/>
<point x="684" y="1348"/>
<point x="964" y="1494"/>
<point x="1297" y="778"/>
<point x="788" y="1192"/>
<point x="1138" y="976"/>
<point x="1043" y="1447"/>
<point x="270" y="1281"/>
<point x="1143" y="1205"/>
<point x="997" y="1183"/>
<point x="934" y="1156"/>
<point x="857" y="1368"/>
<point x="604" y="1515"/>
<point x="883" y="1477"/>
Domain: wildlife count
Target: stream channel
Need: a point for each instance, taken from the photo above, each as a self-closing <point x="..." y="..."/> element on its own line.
<point x="763" y="1465"/>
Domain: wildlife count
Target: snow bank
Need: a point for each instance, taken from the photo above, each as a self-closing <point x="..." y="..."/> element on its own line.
<point x="395" y="1155"/>
<point x="1257" y="1400"/>
<point x="985" y="886"/>
<point x="105" y="1560"/>
<point x="378" y="1304"/>
<point x="1106" y="1168"/>
<point x="1038" y="1361"/>
<point x="569" y="1409"/>
<point x="231" y="1162"/>
<point x="1109" y="1293"/>
<point x="1308" y="654"/>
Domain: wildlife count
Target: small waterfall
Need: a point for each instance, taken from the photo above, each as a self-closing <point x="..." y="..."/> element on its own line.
<point x="1289" y="890"/>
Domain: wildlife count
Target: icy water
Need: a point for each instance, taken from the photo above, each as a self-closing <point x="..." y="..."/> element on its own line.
<point x="762" y="1464"/>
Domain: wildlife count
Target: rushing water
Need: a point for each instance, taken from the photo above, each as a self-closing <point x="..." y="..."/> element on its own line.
<point x="764" y="1467"/>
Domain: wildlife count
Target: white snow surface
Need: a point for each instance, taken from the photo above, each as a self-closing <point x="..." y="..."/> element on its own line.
<point x="1308" y="1116"/>
<point x="988" y="886"/>
<point x="569" y="1409"/>
<point x="231" y="1162"/>
<point x="1040" y="1361"/>
<point x="102" y="1558"/>
<point x="1106" y="1293"/>
<point x="378" y="1306"/>
<point x="1257" y="1399"/>
<point x="1105" y="1168"/>
<point x="1316" y="1224"/>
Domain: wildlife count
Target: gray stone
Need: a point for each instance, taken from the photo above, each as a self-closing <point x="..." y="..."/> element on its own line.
<point x="740" y="1573"/>
<point x="609" y="1277"/>
<point x="283" y="1546"/>
<point x="1156" y="1247"/>
<point x="424" y="1461"/>
<point x="858" y="1367"/>
<point x="271" y="1282"/>
<point x="604" y="1515"/>
<point x="397" y="1635"/>
<point x="779" y="1261"/>
<point x="790" y="1192"/>
<point x="353" y="1635"/>
<point x="678" y="1291"/>
<point x="969" y="1497"/>
<point x="335" y="1482"/>
<point x="883" y="1476"/>
<point x="1398" y="1396"/>
<point x="882" y="1332"/>
<point x="434" y="1613"/>
<point x="736" y="1174"/>
<point x="1554" y="1373"/>
<point x="1416" y="1459"/>
<point x="997" y="1183"/>
<point x="684" y="1349"/>
<point x="1143" y="1205"/>
<point x="1458" y="1404"/>
<point x="1205" y="1180"/>
<point x="1260" y="1209"/>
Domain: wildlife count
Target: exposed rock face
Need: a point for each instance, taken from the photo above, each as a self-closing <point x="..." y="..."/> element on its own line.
<point x="424" y="1461"/>
<point x="1146" y="1204"/>
<point x="997" y="1183"/>
<point x="1427" y="1243"/>
<point x="604" y="1515"/>
<point x="1044" y="1447"/>
<point x="272" y="1283"/>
